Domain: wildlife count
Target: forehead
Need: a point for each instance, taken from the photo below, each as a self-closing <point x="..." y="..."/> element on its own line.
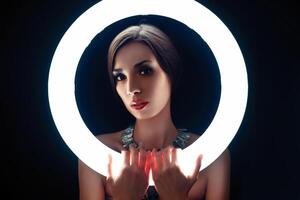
<point x="132" y="53"/>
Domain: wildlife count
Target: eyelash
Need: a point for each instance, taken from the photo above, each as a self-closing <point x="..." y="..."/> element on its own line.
<point x="147" y="71"/>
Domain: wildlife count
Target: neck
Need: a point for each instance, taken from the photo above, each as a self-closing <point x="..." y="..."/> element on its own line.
<point x="157" y="132"/>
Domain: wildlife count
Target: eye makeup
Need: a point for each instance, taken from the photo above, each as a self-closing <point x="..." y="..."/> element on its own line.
<point x="141" y="69"/>
<point x="145" y="70"/>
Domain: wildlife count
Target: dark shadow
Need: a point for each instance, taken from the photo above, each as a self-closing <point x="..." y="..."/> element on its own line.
<point x="195" y="102"/>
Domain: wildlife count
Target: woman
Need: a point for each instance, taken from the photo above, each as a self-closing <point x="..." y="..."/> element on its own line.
<point x="144" y="68"/>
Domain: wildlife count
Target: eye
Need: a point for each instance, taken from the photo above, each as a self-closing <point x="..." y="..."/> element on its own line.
<point x="119" y="77"/>
<point x="145" y="70"/>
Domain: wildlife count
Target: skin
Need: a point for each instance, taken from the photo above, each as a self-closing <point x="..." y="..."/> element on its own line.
<point x="169" y="181"/>
<point x="139" y="75"/>
<point x="136" y="169"/>
<point x="149" y="82"/>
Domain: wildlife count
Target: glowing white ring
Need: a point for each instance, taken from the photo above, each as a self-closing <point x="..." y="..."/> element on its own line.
<point x="232" y="68"/>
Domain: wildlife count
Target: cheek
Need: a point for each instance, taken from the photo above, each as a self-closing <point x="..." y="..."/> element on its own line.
<point x="165" y="86"/>
<point x="120" y="91"/>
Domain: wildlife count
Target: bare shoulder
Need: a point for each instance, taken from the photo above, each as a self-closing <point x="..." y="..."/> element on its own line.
<point x="213" y="181"/>
<point x="112" y="140"/>
<point x="92" y="184"/>
<point x="221" y="163"/>
<point x="218" y="177"/>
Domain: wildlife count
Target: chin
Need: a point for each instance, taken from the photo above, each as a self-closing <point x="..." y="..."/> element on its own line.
<point x="143" y="116"/>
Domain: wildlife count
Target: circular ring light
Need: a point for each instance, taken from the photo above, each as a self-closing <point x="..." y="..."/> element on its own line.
<point x="231" y="64"/>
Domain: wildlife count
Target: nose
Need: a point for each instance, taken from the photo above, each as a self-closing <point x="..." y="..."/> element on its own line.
<point x="132" y="87"/>
<point x="134" y="92"/>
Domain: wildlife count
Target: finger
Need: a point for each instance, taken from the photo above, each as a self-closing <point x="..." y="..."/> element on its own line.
<point x="153" y="164"/>
<point x="166" y="157"/>
<point x="173" y="156"/>
<point x="109" y="166"/>
<point x="159" y="160"/>
<point x="142" y="158"/>
<point x="197" y="167"/>
<point x="134" y="156"/>
<point x="153" y="160"/>
<point x="148" y="163"/>
<point x="126" y="157"/>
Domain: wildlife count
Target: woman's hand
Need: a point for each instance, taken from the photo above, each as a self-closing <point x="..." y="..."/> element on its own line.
<point x="169" y="181"/>
<point x="132" y="182"/>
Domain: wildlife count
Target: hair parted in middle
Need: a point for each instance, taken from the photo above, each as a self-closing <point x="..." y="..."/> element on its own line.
<point x="159" y="43"/>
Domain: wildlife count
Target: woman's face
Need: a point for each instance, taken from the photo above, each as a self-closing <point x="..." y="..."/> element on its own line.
<point x="143" y="86"/>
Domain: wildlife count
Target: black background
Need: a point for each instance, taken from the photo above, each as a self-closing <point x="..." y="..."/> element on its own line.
<point x="265" y="152"/>
<point x="193" y="103"/>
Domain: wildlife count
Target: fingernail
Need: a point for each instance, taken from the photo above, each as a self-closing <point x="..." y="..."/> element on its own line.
<point x="131" y="146"/>
<point x="141" y="144"/>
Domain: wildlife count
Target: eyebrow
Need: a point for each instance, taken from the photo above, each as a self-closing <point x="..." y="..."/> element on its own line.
<point x="137" y="65"/>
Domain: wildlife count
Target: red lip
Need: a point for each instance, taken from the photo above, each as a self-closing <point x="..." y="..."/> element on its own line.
<point x="138" y="101"/>
<point x="138" y="104"/>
